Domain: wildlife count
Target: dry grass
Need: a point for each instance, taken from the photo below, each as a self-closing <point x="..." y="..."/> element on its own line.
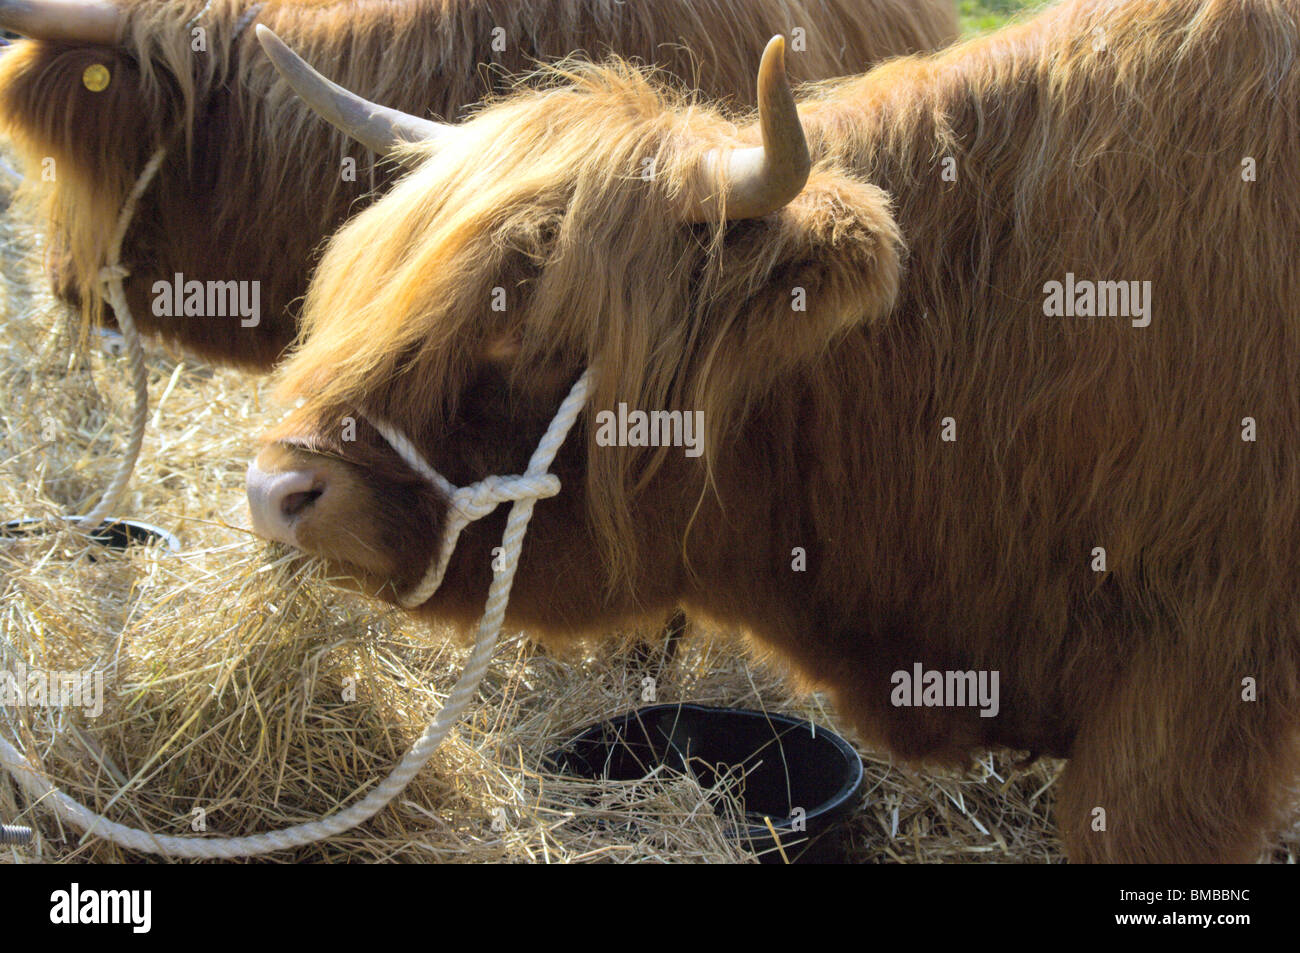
<point x="227" y="666"/>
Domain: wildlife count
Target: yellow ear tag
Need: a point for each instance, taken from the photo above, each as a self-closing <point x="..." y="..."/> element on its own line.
<point x="95" y="78"/>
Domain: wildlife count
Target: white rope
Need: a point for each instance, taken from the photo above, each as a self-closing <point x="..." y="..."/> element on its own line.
<point x="469" y="503"/>
<point x="111" y="275"/>
<point x="477" y="500"/>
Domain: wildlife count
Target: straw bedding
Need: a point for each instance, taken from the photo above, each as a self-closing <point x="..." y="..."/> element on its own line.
<point x="244" y="691"/>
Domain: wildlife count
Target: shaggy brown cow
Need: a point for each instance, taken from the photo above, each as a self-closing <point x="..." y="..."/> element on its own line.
<point x="253" y="182"/>
<point x="972" y="459"/>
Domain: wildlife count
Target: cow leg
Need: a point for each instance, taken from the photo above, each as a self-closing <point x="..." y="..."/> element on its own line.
<point x="644" y="652"/>
<point x="674" y="629"/>
<point x="1184" y="769"/>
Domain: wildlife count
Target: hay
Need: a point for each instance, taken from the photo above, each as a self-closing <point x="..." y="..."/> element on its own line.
<point x="240" y="681"/>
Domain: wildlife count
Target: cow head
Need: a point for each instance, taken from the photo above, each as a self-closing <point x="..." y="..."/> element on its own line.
<point x="598" y="220"/>
<point x="92" y="93"/>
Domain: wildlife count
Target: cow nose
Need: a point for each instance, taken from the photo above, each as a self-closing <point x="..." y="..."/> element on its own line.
<point x="278" y="499"/>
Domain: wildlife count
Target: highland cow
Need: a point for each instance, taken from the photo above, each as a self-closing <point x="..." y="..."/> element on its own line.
<point x="911" y="462"/>
<point x="252" y="182"/>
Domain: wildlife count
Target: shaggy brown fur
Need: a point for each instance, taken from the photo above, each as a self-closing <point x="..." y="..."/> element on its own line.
<point x="253" y="183"/>
<point x="824" y="427"/>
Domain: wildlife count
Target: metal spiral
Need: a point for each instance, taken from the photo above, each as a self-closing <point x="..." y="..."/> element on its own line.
<point x="15" y="835"/>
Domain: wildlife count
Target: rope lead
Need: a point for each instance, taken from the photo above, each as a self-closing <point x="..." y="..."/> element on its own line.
<point x="467" y="504"/>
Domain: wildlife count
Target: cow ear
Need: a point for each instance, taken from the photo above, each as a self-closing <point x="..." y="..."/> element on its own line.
<point x="828" y="262"/>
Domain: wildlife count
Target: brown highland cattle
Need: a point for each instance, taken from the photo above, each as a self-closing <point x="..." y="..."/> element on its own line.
<point x="253" y="182"/>
<point x="936" y="432"/>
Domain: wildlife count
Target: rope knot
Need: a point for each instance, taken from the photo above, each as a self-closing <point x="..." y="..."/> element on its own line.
<point x="476" y="501"/>
<point x="481" y="498"/>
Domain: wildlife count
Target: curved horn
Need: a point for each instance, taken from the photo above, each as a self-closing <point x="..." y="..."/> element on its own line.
<point x="375" y="127"/>
<point x="68" y="21"/>
<point x="763" y="178"/>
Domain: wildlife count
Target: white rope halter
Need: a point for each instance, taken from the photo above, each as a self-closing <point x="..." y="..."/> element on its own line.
<point x="466" y="505"/>
<point x="473" y="502"/>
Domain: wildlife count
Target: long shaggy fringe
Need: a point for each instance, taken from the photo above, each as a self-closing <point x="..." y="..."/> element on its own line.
<point x="519" y="204"/>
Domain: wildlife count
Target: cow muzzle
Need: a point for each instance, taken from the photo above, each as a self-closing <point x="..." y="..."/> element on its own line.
<point x="278" y="499"/>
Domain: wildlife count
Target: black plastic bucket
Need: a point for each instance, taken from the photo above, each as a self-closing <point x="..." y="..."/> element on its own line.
<point x="802" y="778"/>
<point x="114" y="534"/>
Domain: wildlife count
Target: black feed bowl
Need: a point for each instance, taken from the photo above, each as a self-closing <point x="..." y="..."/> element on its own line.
<point x="786" y="764"/>
<point x="115" y="534"/>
